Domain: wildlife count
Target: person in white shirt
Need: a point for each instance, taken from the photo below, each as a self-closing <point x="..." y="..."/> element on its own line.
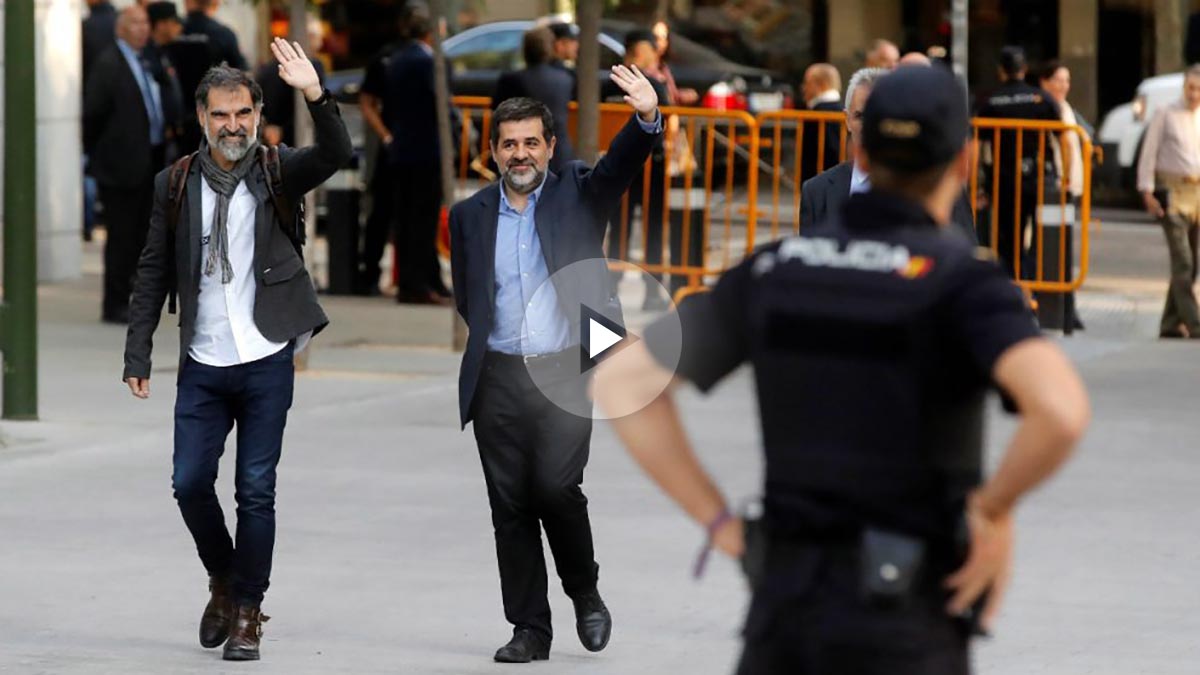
<point x="1170" y="161"/>
<point x="222" y="232"/>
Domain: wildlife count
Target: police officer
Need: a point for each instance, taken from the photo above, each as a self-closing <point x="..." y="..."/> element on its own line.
<point x="1014" y="99"/>
<point x="873" y="342"/>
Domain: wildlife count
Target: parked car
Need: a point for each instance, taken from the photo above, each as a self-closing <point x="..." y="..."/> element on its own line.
<point x="1120" y="134"/>
<point x="478" y="55"/>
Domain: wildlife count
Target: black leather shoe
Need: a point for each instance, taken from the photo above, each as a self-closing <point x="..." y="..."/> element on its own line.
<point x="525" y="646"/>
<point x="592" y="621"/>
<point x="214" y="624"/>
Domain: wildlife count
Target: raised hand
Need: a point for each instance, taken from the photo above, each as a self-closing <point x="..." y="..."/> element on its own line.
<point x="295" y="69"/>
<point x="639" y="93"/>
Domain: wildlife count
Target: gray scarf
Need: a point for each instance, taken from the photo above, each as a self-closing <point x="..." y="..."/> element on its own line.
<point x="224" y="183"/>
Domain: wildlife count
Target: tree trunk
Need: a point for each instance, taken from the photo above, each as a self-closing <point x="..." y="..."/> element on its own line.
<point x="298" y="32"/>
<point x="586" y="69"/>
<point x="437" y="10"/>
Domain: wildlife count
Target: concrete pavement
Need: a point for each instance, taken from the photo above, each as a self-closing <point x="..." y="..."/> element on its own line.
<point x="385" y="561"/>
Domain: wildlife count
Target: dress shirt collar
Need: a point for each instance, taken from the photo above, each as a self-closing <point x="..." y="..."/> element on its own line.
<point x="827" y="96"/>
<point x="859" y="180"/>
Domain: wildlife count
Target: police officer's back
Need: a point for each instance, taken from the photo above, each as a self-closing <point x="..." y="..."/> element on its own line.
<point x="873" y="342"/>
<point x="1015" y="99"/>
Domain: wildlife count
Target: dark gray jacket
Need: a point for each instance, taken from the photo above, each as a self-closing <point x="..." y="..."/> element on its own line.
<point x="285" y="304"/>
<point x="823" y="196"/>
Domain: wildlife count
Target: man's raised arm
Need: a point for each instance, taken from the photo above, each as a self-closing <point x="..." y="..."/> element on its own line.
<point x="615" y="171"/>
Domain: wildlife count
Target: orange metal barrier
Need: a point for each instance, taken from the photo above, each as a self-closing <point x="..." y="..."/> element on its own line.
<point x="1020" y="182"/>
<point x="784" y="133"/>
<point x="697" y="196"/>
<point x="704" y="214"/>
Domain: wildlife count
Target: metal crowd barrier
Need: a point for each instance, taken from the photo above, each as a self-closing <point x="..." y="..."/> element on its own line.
<point x="703" y="198"/>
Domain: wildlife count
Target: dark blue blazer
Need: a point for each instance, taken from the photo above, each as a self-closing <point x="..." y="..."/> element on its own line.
<point x="552" y="86"/>
<point x="570" y="219"/>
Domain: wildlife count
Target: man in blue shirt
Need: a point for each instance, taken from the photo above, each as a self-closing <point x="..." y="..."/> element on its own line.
<point x="507" y="241"/>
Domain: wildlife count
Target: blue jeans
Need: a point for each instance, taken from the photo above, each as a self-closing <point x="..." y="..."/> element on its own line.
<point x="209" y="401"/>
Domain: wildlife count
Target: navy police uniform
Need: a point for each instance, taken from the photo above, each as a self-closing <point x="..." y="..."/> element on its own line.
<point x="872" y="340"/>
<point x="1015" y="99"/>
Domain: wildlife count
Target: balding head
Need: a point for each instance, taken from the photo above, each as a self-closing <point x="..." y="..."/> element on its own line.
<point x="133" y="26"/>
<point x="820" y="78"/>
<point x="883" y="54"/>
<point x="915" y="59"/>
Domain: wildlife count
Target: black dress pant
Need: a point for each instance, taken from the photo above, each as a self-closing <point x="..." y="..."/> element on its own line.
<point x="809" y="617"/>
<point x="126" y="221"/>
<point x="378" y="226"/>
<point x="533" y="456"/>
<point x="418" y="203"/>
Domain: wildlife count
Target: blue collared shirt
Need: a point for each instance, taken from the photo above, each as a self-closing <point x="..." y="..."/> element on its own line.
<point x="528" y="319"/>
<point x="151" y="94"/>
<point x="859" y="180"/>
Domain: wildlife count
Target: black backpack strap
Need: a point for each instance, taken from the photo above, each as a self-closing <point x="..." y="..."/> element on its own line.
<point x="176" y="187"/>
<point x="289" y="213"/>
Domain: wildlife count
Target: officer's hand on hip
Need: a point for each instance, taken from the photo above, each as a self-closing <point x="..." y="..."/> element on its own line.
<point x="988" y="565"/>
<point x="139" y="386"/>
<point x="639" y="93"/>
<point x="730" y="538"/>
<point x="1153" y="207"/>
<point x="295" y="69"/>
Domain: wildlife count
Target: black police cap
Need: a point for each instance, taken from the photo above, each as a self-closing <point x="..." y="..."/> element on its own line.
<point x="564" y="31"/>
<point x="915" y="119"/>
<point x="1012" y="60"/>
<point x="162" y="11"/>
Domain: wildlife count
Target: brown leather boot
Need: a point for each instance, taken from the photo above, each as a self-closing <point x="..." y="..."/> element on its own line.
<point x="245" y="634"/>
<point x="214" y="625"/>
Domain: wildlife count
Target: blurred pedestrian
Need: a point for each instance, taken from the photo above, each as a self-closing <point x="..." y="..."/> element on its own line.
<point x="822" y="89"/>
<point x="541" y="81"/>
<point x="883" y="54"/>
<point x="1014" y="99"/>
<point x="566" y="46"/>
<point x="642" y="54"/>
<point x="1170" y="163"/>
<point x="662" y="43"/>
<point x="507" y="242"/>
<point x="222" y="41"/>
<point x="246" y="306"/>
<point x="165" y="28"/>
<point x="873" y="344"/>
<point x="123" y="136"/>
<point x="409" y="112"/>
<point x="279" y="103"/>
<point x="99" y="32"/>
<point x="914" y="59"/>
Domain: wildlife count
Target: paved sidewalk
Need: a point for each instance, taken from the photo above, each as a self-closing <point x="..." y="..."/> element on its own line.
<point x="385" y="561"/>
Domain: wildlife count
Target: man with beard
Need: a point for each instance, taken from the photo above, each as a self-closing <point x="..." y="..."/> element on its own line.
<point x="506" y="242"/>
<point x="246" y="304"/>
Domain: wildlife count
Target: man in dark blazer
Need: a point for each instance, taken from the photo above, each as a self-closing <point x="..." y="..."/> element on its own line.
<point x="246" y="304"/>
<point x="506" y="242"/>
<point x="822" y="93"/>
<point x="123" y="136"/>
<point x="543" y="82"/>
<point x="823" y="196"/>
<point x="414" y="156"/>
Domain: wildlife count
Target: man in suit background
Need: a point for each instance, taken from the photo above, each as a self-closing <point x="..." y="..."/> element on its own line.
<point x="246" y="304"/>
<point x="543" y="82"/>
<point x="413" y="153"/>
<point x="99" y="32"/>
<point x="123" y="134"/>
<point x="822" y="197"/>
<point x="506" y="242"/>
<point x="822" y="93"/>
<point x="566" y="46"/>
<point x="221" y="40"/>
<point x="165" y="28"/>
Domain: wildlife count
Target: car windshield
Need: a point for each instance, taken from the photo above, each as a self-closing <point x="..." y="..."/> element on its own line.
<point x="493" y="50"/>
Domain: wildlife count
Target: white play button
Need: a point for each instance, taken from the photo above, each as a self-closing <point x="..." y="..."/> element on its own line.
<point x="600" y="338"/>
